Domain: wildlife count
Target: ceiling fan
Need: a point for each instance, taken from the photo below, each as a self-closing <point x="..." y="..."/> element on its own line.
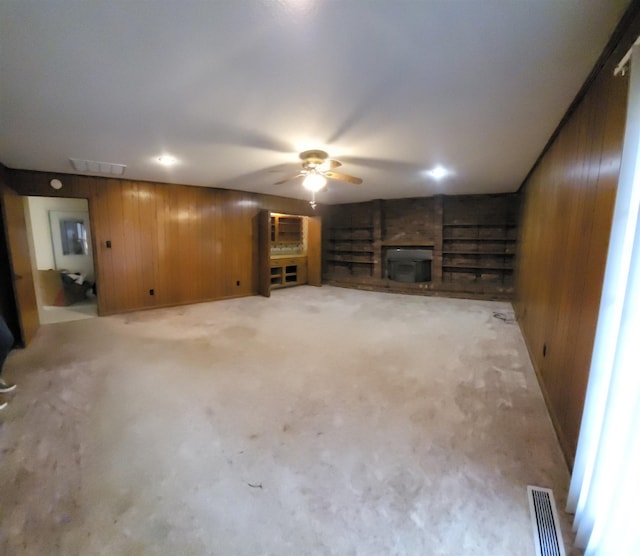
<point x="317" y="168"/>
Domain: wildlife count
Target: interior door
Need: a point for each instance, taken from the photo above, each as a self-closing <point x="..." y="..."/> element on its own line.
<point x="264" y="253"/>
<point x="20" y="262"/>
<point x="314" y="251"/>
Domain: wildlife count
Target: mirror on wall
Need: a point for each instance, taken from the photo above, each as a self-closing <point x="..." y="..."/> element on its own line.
<point x="73" y="236"/>
<point x="70" y="233"/>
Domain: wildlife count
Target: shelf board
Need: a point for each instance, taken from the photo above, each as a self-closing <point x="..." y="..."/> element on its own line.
<point x="488" y="253"/>
<point x="467" y="267"/>
<point x="469" y="225"/>
<point x="491" y="239"/>
<point x="351" y="227"/>
<point x="350" y="250"/>
<point x="345" y="239"/>
<point x="348" y="261"/>
<point x="427" y="244"/>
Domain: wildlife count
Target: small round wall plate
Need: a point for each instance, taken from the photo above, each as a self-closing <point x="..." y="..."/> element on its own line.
<point x="56" y="184"/>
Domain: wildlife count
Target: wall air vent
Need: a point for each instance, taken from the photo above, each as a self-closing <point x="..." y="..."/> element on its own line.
<point x="546" y="526"/>
<point x="95" y="167"/>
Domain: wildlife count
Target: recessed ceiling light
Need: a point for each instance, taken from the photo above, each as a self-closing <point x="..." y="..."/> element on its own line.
<point x="437" y="173"/>
<point x="167" y="160"/>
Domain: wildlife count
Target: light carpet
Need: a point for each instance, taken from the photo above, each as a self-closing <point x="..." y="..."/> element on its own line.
<point x="321" y="421"/>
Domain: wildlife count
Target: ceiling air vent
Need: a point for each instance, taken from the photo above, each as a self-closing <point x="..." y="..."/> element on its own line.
<point x="95" y="167"/>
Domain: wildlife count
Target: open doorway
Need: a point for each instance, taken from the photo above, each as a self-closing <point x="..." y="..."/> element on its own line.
<point x="62" y="258"/>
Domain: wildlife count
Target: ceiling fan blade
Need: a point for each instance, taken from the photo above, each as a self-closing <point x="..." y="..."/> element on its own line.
<point x="288" y="179"/>
<point x="343" y="177"/>
<point x="383" y="164"/>
<point x="329" y="165"/>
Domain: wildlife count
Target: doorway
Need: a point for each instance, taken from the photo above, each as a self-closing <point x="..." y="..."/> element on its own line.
<point x="62" y="258"/>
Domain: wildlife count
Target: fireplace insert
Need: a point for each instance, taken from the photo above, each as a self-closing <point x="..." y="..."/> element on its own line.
<point x="409" y="265"/>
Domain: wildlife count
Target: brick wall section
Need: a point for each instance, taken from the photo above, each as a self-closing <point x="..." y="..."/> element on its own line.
<point x="472" y="238"/>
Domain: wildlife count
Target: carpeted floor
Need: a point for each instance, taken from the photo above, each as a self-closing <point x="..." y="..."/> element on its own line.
<point x="321" y="421"/>
<point x="82" y="310"/>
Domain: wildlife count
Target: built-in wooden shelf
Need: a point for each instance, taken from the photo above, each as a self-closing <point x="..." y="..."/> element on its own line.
<point x="463" y="267"/>
<point x="349" y="261"/>
<point x="350" y="248"/>
<point x="494" y="253"/>
<point x="470" y="225"/>
<point x="286" y="230"/>
<point x="468" y="238"/>
<point x="465" y="254"/>
<point x="473" y="239"/>
<point x="428" y="244"/>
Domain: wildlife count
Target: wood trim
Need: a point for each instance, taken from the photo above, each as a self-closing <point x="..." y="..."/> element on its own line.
<point x="314" y="251"/>
<point x="264" y="252"/>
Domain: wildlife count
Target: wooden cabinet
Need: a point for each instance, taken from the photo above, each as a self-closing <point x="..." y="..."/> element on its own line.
<point x="286" y="230"/>
<point x="288" y="271"/>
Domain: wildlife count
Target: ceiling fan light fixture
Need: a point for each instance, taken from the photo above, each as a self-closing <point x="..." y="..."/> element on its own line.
<point x="314" y="181"/>
<point x="167" y="160"/>
<point x="438" y="173"/>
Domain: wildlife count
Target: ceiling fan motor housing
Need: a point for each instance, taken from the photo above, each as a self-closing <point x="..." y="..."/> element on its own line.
<point x="313" y="158"/>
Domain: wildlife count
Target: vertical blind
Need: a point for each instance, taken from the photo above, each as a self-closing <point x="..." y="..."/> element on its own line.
<point x="605" y="485"/>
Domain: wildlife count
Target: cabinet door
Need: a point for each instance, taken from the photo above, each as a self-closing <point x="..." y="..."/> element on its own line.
<point x="20" y="262"/>
<point x="314" y="251"/>
<point x="264" y="253"/>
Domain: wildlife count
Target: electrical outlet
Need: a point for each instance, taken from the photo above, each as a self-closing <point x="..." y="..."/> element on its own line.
<point x="152" y="291"/>
<point x="108" y="244"/>
<point x="544" y="350"/>
<point x="237" y="282"/>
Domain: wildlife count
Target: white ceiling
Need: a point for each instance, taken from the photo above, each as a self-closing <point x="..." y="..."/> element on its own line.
<point x="235" y="89"/>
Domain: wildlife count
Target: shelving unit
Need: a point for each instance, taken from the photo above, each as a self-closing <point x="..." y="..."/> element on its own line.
<point x="472" y="239"/>
<point x="350" y="250"/>
<point x="482" y="252"/>
<point x="286" y="230"/>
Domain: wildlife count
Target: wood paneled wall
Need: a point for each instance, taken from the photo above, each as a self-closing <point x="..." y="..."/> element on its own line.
<point x="187" y="244"/>
<point x="566" y="222"/>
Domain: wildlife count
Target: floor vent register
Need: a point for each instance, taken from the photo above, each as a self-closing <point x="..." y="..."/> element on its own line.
<point x="547" y="535"/>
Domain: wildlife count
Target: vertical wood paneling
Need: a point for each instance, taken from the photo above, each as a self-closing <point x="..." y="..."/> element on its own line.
<point x="564" y="237"/>
<point x="314" y="252"/>
<point x="263" y="224"/>
<point x="188" y="244"/>
<point x="121" y="275"/>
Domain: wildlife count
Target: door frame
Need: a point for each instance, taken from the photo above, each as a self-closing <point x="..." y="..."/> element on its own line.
<point x="20" y="263"/>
